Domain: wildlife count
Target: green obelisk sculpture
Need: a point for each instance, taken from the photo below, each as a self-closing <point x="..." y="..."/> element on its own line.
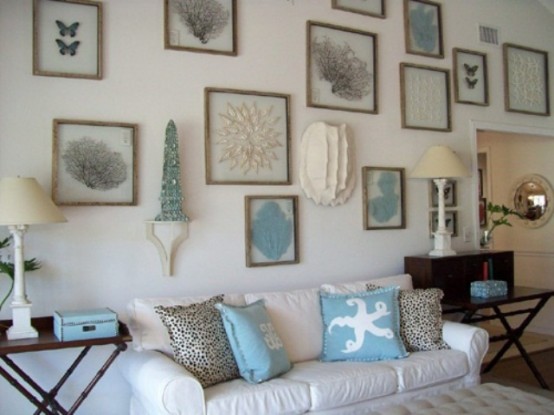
<point x="171" y="197"/>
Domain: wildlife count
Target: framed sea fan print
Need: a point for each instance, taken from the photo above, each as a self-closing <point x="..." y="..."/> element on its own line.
<point x="271" y="230"/>
<point x="94" y="163"/>
<point x="247" y="137"/>
<point x="207" y="26"/>
<point x="67" y="38"/>
<point x="341" y="68"/>
<point x="423" y="28"/>
<point x="470" y="77"/>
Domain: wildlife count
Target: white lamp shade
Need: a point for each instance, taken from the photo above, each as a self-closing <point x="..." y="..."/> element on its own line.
<point x="23" y="202"/>
<point x="439" y="162"/>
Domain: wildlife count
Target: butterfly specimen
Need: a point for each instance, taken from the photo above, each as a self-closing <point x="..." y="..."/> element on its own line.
<point x="71" y="48"/>
<point x="471" y="82"/>
<point x="70" y="30"/>
<point x="471" y="70"/>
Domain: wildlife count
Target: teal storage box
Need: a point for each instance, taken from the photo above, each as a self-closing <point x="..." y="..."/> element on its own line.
<point x="85" y="324"/>
<point x="491" y="288"/>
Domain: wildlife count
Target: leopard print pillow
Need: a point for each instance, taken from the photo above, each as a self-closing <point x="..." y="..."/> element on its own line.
<point x="420" y="319"/>
<point x="199" y="341"/>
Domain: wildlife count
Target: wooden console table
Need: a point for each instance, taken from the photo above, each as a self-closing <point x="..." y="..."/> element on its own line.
<point x="47" y="341"/>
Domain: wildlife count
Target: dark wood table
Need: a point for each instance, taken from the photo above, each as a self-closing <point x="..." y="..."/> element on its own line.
<point x="46" y="340"/>
<point x="471" y="306"/>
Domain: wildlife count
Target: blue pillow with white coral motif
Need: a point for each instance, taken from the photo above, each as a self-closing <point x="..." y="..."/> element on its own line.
<point x="362" y="326"/>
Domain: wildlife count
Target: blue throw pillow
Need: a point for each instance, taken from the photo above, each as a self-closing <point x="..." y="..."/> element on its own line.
<point x="361" y="326"/>
<point x="257" y="348"/>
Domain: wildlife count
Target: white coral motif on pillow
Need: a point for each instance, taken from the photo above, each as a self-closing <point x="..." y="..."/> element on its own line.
<point x="271" y="337"/>
<point x="361" y="322"/>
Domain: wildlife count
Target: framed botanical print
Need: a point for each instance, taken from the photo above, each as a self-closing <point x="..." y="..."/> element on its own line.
<point x="207" y="26"/>
<point x="470" y="77"/>
<point x="94" y="163"/>
<point x="383" y="198"/>
<point x="423" y="28"/>
<point x="373" y="8"/>
<point x="341" y="68"/>
<point x="67" y="38"/>
<point x="271" y="227"/>
<point x="247" y="137"/>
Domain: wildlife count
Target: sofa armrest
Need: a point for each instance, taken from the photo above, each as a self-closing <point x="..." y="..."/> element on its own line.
<point x="160" y="384"/>
<point x="472" y="340"/>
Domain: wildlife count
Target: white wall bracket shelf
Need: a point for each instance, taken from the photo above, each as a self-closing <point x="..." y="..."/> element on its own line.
<point x="166" y="237"/>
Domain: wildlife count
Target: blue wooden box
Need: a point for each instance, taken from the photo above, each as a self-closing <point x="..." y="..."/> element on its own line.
<point x="85" y="324"/>
<point x="491" y="288"/>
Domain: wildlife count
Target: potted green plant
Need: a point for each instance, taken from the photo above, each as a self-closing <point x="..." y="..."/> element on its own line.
<point x="497" y="215"/>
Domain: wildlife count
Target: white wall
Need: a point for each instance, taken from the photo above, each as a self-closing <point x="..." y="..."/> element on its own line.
<point x="101" y="257"/>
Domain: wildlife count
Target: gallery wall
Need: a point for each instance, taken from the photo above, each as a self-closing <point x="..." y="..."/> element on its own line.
<point x="101" y="257"/>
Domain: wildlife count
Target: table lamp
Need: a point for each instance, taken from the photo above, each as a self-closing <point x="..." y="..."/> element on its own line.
<point x="440" y="163"/>
<point x="23" y="203"/>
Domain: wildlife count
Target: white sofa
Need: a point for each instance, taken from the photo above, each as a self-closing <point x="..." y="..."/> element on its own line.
<point x="161" y="386"/>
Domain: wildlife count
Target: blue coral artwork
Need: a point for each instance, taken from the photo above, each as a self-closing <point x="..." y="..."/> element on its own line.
<point x="424" y="31"/>
<point x="383" y="198"/>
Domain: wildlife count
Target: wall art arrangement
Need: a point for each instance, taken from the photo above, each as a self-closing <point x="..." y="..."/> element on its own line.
<point x="271" y="231"/>
<point x="208" y="26"/>
<point x="341" y="68"/>
<point x="425" y="97"/>
<point x="450" y="197"/>
<point x="94" y="163"/>
<point x="247" y="137"/>
<point x="383" y="198"/>
<point x="470" y="77"/>
<point x="450" y="220"/>
<point x="423" y="28"/>
<point x="374" y="8"/>
<point x="67" y="38"/>
<point x="526" y="80"/>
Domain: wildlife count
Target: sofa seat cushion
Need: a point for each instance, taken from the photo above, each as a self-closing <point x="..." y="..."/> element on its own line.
<point x="422" y="369"/>
<point x="336" y="384"/>
<point x="277" y="396"/>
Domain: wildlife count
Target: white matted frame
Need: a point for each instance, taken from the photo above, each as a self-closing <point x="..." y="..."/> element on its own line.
<point x="526" y="80"/>
<point x="383" y="198"/>
<point x="67" y="38"/>
<point x="423" y="28"/>
<point x="450" y="196"/>
<point x="470" y="77"/>
<point x="206" y="26"/>
<point x="341" y="68"/>
<point x="94" y="163"/>
<point x="271" y="230"/>
<point x="450" y="220"/>
<point x="425" y="97"/>
<point x="373" y="8"/>
<point x="247" y="137"/>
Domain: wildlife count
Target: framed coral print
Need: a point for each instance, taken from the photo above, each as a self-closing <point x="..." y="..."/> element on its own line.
<point x="206" y="26"/>
<point x="423" y="28"/>
<point x="271" y="230"/>
<point x="450" y="220"/>
<point x="449" y="194"/>
<point x="67" y="38"/>
<point x="94" y="163"/>
<point x="383" y="198"/>
<point x="526" y="80"/>
<point x="374" y="8"/>
<point x="425" y="97"/>
<point x="470" y="77"/>
<point x="247" y="137"/>
<point x="341" y="68"/>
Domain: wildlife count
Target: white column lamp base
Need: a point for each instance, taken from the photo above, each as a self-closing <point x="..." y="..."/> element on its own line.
<point x="442" y="244"/>
<point x="21" y="328"/>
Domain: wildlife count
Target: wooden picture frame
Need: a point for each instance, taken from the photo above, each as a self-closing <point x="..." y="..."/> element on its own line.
<point x="183" y="32"/>
<point x="483" y="212"/>
<point x="373" y="8"/>
<point x="450" y="219"/>
<point x="470" y="77"/>
<point x="67" y="38"/>
<point x="383" y="198"/>
<point x="236" y="153"/>
<point x="94" y="163"/>
<point x="341" y="68"/>
<point x="450" y="194"/>
<point x="271" y="230"/>
<point x="526" y="80"/>
<point x="423" y="28"/>
<point x="425" y="97"/>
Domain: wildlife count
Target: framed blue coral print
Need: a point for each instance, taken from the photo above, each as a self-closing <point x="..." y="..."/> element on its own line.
<point x="271" y="230"/>
<point x="423" y="28"/>
<point x="383" y="198"/>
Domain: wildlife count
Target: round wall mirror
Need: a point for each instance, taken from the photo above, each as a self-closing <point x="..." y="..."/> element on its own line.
<point x="533" y="200"/>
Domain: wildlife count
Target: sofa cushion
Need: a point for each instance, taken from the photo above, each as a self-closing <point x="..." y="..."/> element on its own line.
<point x="303" y="336"/>
<point x="258" y="349"/>
<point x="199" y="342"/>
<point x="403" y="281"/>
<point x="336" y="384"/>
<point x="361" y="326"/>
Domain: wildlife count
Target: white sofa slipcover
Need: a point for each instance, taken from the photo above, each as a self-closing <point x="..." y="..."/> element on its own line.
<point x="161" y="386"/>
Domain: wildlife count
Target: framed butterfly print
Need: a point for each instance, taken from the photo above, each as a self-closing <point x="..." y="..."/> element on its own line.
<point x="470" y="77"/>
<point x="423" y="28"/>
<point x="67" y="38"/>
